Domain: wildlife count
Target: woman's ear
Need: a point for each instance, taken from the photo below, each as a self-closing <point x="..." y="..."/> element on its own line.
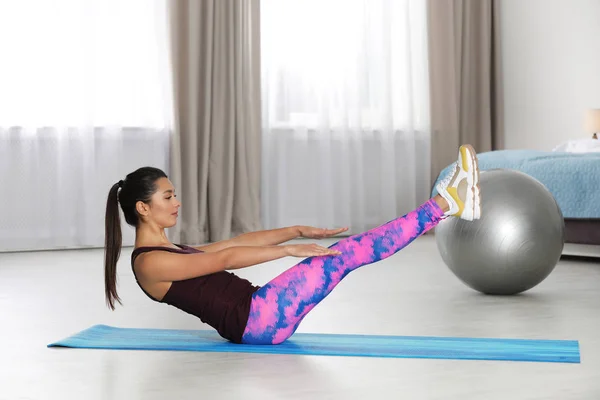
<point x="142" y="208"/>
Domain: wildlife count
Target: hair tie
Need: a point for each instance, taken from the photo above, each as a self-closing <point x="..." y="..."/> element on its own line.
<point x="120" y="183"/>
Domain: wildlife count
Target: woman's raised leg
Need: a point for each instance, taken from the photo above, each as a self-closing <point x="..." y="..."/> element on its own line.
<point x="278" y="307"/>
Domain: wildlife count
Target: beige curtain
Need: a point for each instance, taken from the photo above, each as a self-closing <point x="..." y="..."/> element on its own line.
<point x="215" y="150"/>
<point x="465" y="78"/>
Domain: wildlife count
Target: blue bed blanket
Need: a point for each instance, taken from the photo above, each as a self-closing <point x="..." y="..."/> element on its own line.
<point x="572" y="178"/>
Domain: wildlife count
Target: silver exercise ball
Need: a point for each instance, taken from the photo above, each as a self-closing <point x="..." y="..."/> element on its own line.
<point x="515" y="244"/>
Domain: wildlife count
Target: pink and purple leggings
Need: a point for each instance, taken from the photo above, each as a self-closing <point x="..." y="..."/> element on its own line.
<point x="278" y="307"/>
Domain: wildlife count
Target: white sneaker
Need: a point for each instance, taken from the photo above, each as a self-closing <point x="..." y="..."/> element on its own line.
<point x="461" y="187"/>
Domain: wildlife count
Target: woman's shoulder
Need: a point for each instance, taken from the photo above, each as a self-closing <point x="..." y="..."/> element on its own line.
<point x="188" y="248"/>
<point x="175" y="249"/>
<point x="141" y="248"/>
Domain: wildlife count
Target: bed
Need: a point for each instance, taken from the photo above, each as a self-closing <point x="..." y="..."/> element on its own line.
<point x="573" y="178"/>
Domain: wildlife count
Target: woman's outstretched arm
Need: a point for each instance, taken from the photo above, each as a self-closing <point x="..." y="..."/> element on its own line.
<point x="168" y="267"/>
<point x="272" y="237"/>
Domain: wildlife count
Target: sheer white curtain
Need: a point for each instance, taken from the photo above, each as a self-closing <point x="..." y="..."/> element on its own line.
<point x="85" y="98"/>
<point x="345" y="111"/>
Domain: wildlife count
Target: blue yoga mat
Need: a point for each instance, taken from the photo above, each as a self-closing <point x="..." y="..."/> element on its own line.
<point x="107" y="337"/>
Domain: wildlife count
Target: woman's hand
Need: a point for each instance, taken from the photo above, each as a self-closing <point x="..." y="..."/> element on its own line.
<point x="319" y="233"/>
<point x="309" y="250"/>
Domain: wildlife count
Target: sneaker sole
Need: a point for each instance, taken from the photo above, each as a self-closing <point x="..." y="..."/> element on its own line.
<point x="468" y="153"/>
<point x="476" y="187"/>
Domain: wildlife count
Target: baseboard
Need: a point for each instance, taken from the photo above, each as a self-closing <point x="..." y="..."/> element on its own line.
<point x="581" y="250"/>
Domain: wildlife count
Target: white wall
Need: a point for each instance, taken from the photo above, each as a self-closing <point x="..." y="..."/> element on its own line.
<point x="551" y="61"/>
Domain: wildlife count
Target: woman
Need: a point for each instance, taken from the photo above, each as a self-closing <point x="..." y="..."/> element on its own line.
<point x="196" y="279"/>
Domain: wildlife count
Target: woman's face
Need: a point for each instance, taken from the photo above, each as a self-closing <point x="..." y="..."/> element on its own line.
<point x="163" y="207"/>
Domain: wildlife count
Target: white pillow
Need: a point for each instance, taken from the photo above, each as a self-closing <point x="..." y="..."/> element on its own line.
<point x="579" y="146"/>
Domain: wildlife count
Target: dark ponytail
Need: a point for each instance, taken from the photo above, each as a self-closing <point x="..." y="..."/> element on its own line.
<point x="139" y="185"/>
<point x="112" y="245"/>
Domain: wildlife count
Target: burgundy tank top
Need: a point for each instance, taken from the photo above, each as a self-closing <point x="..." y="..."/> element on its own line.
<point x="221" y="299"/>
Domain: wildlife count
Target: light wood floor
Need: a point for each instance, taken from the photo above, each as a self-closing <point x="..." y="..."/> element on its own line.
<point x="45" y="296"/>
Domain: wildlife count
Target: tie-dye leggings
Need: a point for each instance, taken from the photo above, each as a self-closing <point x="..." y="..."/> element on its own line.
<point x="278" y="307"/>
